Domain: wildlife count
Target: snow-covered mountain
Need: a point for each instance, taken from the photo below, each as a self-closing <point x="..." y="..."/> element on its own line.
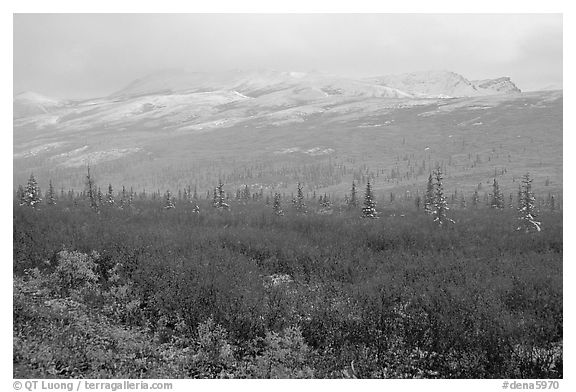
<point x="502" y="85"/>
<point x="254" y="84"/>
<point x="445" y="84"/>
<point x="185" y="100"/>
<point x="30" y="104"/>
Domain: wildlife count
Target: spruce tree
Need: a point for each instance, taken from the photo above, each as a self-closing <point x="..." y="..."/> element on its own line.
<point x="369" y="209"/>
<point x="32" y="193"/>
<point x="298" y="202"/>
<point x="110" y="196"/>
<point x="91" y="190"/>
<point x="219" y="197"/>
<point x="440" y="206"/>
<point x="130" y="197"/>
<point x="50" y="195"/>
<point x="99" y="197"/>
<point x="353" y="201"/>
<point x="215" y="198"/>
<point x="169" y="201"/>
<point x="276" y="206"/>
<point x="429" y="196"/>
<point x="527" y="207"/>
<point x="246" y="193"/>
<point x="497" y="200"/>
<point x="123" y="198"/>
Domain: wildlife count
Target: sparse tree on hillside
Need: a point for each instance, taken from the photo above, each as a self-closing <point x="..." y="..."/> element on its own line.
<point x="32" y="193"/>
<point x="326" y="205"/>
<point x="497" y="200"/>
<point x="50" y="195"/>
<point x="169" y="201"/>
<point x="527" y="207"/>
<point x="99" y="197"/>
<point x="369" y="209"/>
<point x="91" y="190"/>
<point x="123" y="198"/>
<point x="246" y="196"/>
<point x="440" y="207"/>
<point x="298" y="202"/>
<point x="219" y="197"/>
<point x="429" y="196"/>
<point x="110" y="196"/>
<point x="353" y="201"/>
<point x="276" y="206"/>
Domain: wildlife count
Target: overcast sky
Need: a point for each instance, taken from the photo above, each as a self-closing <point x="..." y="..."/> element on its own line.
<point x="91" y="55"/>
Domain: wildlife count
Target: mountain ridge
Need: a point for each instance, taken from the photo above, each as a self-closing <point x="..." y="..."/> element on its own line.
<point x="429" y="84"/>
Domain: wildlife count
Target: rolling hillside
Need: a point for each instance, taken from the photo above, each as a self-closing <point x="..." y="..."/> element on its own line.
<point x="272" y="129"/>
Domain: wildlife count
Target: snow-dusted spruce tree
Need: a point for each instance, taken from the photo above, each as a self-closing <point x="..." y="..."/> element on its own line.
<point x="123" y="198"/>
<point x="169" y="201"/>
<point x="353" y="200"/>
<point x="277" y="205"/>
<point x="91" y="190"/>
<point x="440" y="206"/>
<point x="219" y="197"/>
<point x="131" y="197"/>
<point x="50" y="195"/>
<point x="369" y="209"/>
<point x="497" y="200"/>
<point x="429" y="196"/>
<point x="246" y="195"/>
<point x="215" y="198"/>
<point x="100" y="197"/>
<point x="326" y="203"/>
<point x="527" y="207"/>
<point x="298" y="201"/>
<point x="110" y="196"/>
<point x="32" y="193"/>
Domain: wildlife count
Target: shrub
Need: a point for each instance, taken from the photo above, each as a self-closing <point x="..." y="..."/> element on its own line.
<point x="75" y="272"/>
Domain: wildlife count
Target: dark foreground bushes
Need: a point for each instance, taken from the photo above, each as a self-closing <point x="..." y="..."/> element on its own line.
<point x="153" y="293"/>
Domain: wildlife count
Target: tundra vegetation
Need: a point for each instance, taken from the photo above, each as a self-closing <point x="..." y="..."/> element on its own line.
<point x="131" y="285"/>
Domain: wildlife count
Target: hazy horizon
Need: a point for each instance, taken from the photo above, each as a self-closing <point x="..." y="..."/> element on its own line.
<point x="75" y="56"/>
